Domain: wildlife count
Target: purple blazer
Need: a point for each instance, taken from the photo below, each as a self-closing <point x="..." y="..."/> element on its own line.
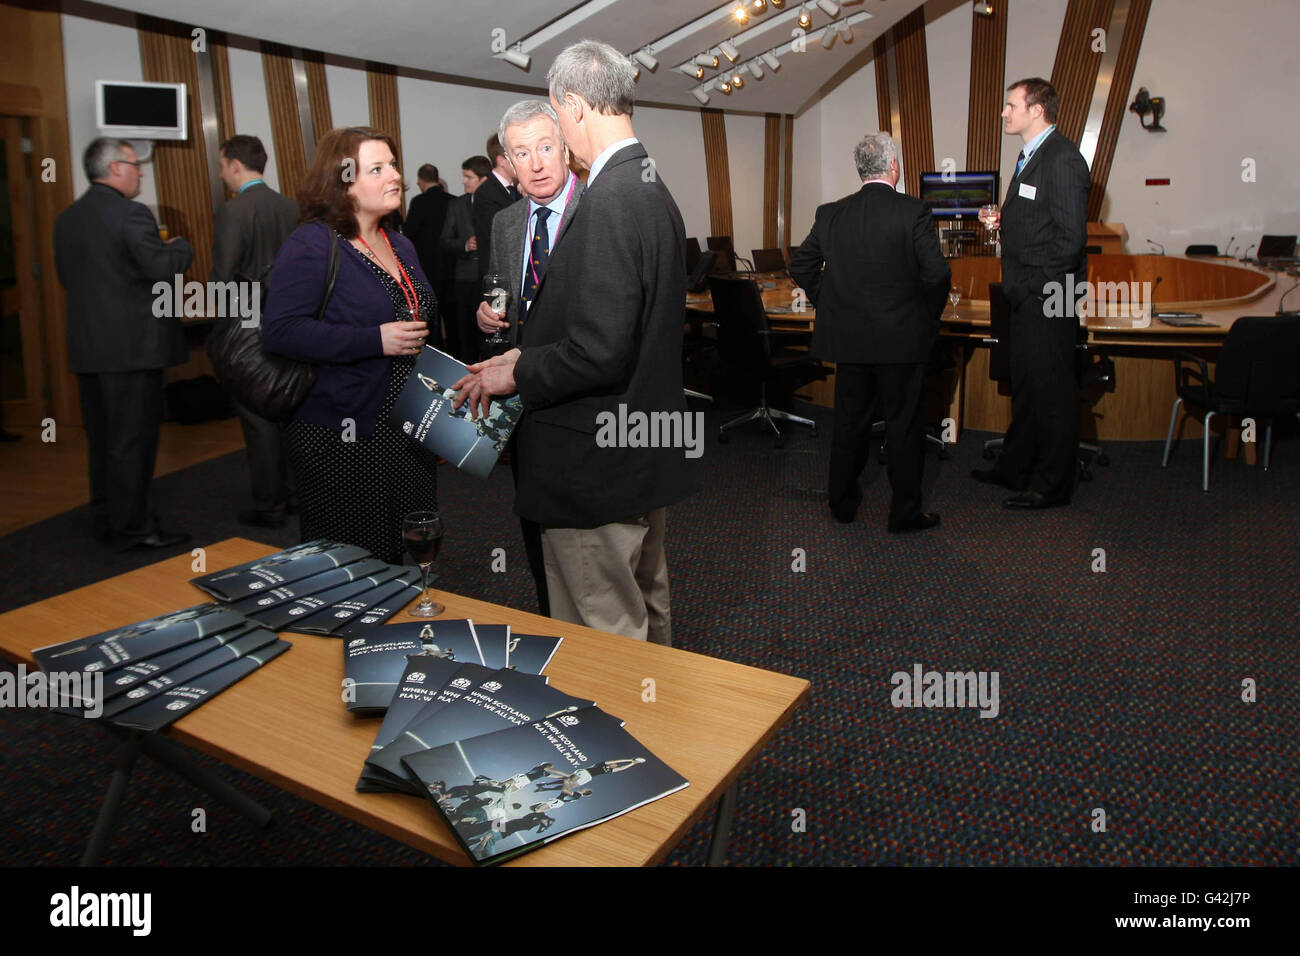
<point x="345" y="346"/>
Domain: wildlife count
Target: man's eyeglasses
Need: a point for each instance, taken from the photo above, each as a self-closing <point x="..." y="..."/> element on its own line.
<point x="130" y="162"/>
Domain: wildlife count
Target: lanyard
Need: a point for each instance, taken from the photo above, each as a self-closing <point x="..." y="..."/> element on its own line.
<point x="405" y="283"/>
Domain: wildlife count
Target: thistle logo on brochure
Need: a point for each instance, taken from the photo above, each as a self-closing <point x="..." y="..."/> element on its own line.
<point x="417" y="677"/>
<point x="74" y="908"/>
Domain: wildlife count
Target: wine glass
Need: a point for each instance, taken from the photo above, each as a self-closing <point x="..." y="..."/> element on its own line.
<point x="497" y="295"/>
<point x="422" y="533"/>
<point x="954" y="296"/>
<point x="989" y="214"/>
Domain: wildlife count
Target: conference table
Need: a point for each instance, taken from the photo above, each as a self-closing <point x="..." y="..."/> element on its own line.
<point x="1139" y="345"/>
<point x="287" y="724"/>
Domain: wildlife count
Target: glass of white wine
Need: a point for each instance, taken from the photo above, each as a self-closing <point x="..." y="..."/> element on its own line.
<point x="954" y="296"/>
<point x="990" y="215"/>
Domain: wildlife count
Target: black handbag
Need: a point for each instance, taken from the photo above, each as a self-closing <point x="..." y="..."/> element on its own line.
<point x="268" y="385"/>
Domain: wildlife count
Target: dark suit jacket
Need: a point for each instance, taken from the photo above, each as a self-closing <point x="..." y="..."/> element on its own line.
<point x="489" y="199"/>
<point x="883" y="291"/>
<point x="605" y="330"/>
<point x="248" y="232"/>
<point x="456" y="231"/>
<point x="508" y="248"/>
<point x="1043" y="238"/>
<point x="108" y="255"/>
<point x="425" y="218"/>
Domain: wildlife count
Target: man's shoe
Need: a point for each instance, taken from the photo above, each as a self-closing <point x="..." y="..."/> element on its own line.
<point x="1033" y="501"/>
<point x="261" y="519"/>
<point x="991" y="476"/>
<point x="160" y="539"/>
<point x="918" y="522"/>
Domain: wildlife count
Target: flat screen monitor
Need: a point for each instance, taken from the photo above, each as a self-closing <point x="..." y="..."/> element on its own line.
<point x="140" y="110"/>
<point x="958" y="195"/>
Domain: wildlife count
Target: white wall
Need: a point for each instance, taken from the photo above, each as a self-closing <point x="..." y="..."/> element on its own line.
<point x="248" y="102"/>
<point x="745" y="143"/>
<point x="1033" y="32"/>
<point x="349" y="101"/>
<point x="806" y="179"/>
<point x="675" y="141"/>
<point x="947" y="52"/>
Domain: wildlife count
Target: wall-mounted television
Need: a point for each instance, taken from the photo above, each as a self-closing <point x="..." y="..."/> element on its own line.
<point x="140" y="110"/>
<point x="959" y="195"/>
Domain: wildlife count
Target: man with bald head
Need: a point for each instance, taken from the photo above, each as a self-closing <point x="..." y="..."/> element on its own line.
<point x="603" y="334"/>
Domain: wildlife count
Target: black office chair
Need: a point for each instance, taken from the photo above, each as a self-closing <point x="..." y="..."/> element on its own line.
<point x="1257" y="376"/>
<point x="1276" y="247"/>
<point x="1095" y="369"/>
<point x="1201" y="249"/>
<point x="722" y="245"/>
<point x="769" y="260"/>
<point x="746" y="343"/>
<point x="693" y="253"/>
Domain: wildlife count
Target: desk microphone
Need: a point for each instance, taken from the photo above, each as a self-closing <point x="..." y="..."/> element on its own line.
<point x="1280" y="311"/>
<point x="1157" y="245"/>
<point x="1227" y="250"/>
<point x="1249" y="250"/>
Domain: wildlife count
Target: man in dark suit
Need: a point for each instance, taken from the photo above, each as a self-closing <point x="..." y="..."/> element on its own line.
<point x="248" y="231"/>
<point x="109" y="256"/>
<point x="1044" y="232"/>
<point x="496" y="192"/>
<point x="878" y="306"/>
<point x="603" y="337"/>
<point x="459" y="241"/>
<point x="536" y="150"/>
<point x="425" y="217"/>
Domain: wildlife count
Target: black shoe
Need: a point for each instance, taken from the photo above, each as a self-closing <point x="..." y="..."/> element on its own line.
<point x="991" y="476"/>
<point x="1033" y="501"/>
<point x="918" y="522"/>
<point x="261" y="519"/>
<point x="844" y="515"/>
<point x="159" y="539"/>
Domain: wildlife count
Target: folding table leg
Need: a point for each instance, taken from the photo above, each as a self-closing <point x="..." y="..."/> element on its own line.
<point x="112" y="800"/>
<point x="722" y="826"/>
<point x="167" y="754"/>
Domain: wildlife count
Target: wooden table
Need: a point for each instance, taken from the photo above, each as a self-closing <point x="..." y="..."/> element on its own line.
<point x="287" y="723"/>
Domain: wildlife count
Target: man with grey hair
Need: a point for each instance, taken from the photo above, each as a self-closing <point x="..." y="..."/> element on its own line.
<point x="872" y="267"/>
<point x="109" y="255"/>
<point x="603" y="335"/>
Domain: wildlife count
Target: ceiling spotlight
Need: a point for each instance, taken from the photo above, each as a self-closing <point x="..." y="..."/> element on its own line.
<point x="517" y="56"/>
<point x="758" y="6"/>
<point x="645" y="59"/>
<point x="700" y="95"/>
<point x="737" y="81"/>
<point x="741" y="15"/>
<point x="984" y="8"/>
<point x="805" y="21"/>
<point x="828" y="37"/>
<point x="829" y="7"/>
<point x="755" y="70"/>
<point x="729" y="51"/>
<point x="636" y="73"/>
<point x="772" y="62"/>
<point x="778" y="4"/>
<point x="707" y="60"/>
<point x="724" y="87"/>
<point x="691" y="70"/>
<point x="846" y="31"/>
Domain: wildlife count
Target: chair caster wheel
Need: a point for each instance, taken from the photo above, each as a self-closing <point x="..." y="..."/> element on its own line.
<point x="722" y="437"/>
<point x="1103" y="460"/>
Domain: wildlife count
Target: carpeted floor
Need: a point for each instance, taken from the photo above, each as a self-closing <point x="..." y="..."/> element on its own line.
<point x="1120" y="692"/>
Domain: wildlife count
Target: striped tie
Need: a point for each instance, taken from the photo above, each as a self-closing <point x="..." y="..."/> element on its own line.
<point x="1020" y="162"/>
<point x="539" y="252"/>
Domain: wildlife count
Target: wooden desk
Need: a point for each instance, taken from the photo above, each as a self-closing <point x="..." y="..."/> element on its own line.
<point x="287" y="724"/>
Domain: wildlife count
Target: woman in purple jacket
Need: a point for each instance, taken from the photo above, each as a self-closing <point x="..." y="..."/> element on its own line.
<point x="357" y="475"/>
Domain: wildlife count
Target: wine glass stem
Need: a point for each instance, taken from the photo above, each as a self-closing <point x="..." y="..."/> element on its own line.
<point x="424" y="571"/>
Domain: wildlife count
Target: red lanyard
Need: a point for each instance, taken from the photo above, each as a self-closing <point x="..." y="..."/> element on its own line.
<point x="405" y="283"/>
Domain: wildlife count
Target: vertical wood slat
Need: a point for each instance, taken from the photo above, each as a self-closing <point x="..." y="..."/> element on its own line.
<point x="788" y="119"/>
<point x="221" y="81"/>
<point x="184" y="198"/>
<point x="884" y="109"/>
<point x="286" y="132"/>
<point x="771" y="176"/>
<point x="1117" y="103"/>
<point x="318" y="94"/>
<point x="1074" y="73"/>
<point x="718" y="171"/>
<point x="988" y="66"/>
<point x="914" y="98"/>
<point x="381" y="85"/>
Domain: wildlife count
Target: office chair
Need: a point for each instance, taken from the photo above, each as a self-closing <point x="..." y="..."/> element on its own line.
<point x="769" y="260"/>
<point x="725" y="250"/>
<point x="693" y="253"/>
<point x="1276" y="247"/>
<point x="1201" y="249"/>
<point x="745" y="342"/>
<point x="1256" y="377"/>
<point x="1094" y="368"/>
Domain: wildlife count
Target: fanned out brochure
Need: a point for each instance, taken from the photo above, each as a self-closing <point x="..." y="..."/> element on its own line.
<point x="324" y="581"/>
<point x="329" y="619"/>
<point x="292" y="564"/>
<point x="493" y="642"/>
<point x="396" y="596"/>
<point x="531" y="653"/>
<point x="511" y="791"/>
<point x="423" y="411"/>
<point x="503" y="698"/>
<point x="114" y="649"/>
<point x="281" y="616"/>
<point x="373" y="666"/>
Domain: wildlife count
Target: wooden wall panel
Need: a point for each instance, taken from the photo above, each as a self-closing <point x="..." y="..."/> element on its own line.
<point x="282" y="103"/>
<point x="771" y="176"/>
<point x="884" y="110"/>
<point x="381" y="85"/>
<point x="914" y="98"/>
<point x="318" y="94"/>
<point x="181" y="168"/>
<point x="1074" y="73"/>
<point x="789" y="176"/>
<point x="718" y="171"/>
<point x="988" y="67"/>
<point x="1117" y="102"/>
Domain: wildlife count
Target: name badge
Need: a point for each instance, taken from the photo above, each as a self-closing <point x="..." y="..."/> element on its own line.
<point x="1027" y="191"/>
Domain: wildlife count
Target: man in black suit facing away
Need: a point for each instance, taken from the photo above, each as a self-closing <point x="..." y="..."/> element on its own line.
<point x="109" y="255"/>
<point x="878" y="306"/>
<point x="604" y="331"/>
<point x="425" y="217"/>
<point x="248" y="231"/>
<point x="1044" y="234"/>
<point x="458" y="240"/>
<point x="496" y="192"/>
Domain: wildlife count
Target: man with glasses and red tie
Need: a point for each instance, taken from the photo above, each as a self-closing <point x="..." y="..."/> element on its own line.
<point x="109" y="255"/>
